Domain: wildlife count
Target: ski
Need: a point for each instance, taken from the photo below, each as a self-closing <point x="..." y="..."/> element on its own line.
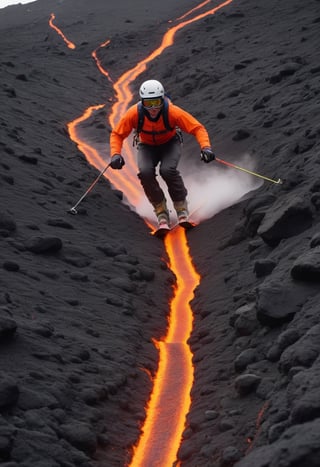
<point x="162" y="232"/>
<point x="187" y="225"/>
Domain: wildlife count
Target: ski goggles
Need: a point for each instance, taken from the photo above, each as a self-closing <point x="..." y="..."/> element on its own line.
<point x="152" y="103"/>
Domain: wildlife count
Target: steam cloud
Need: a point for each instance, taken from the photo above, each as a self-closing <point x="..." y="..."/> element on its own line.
<point x="211" y="188"/>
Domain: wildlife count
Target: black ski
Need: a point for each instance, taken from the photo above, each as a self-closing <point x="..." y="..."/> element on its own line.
<point x="162" y="232"/>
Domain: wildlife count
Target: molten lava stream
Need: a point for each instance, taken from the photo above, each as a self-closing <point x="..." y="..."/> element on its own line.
<point x="170" y="399"/>
<point x="70" y="44"/>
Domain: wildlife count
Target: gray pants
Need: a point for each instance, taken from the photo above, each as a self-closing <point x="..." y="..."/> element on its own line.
<point x="168" y="156"/>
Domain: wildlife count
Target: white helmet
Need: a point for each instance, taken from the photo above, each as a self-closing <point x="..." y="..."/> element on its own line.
<point x="151" y="88"/>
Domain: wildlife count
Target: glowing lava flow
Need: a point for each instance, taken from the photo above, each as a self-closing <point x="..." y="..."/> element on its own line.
<point x="98" y="63"/>
<point x="258" y="426"/>
<point x="84" y="147"/>
<point x="70" y="44"/>
<point x="170" y="400"/>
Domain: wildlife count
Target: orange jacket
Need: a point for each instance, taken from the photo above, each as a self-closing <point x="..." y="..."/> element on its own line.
<point x="176" y="116"/>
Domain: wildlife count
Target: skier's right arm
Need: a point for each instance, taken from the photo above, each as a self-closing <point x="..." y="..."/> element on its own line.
<point x="120" y="132"/>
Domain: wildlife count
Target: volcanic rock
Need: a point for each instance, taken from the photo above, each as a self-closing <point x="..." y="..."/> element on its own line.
<point x="285" y="219"/>
<point x="307" y="266"/>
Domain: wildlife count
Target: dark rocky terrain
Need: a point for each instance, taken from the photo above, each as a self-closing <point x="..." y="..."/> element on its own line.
<point x="82" y="296"/>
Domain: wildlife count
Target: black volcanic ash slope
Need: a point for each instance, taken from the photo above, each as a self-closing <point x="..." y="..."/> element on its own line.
<point x="81" y="297"/>
<point x="255" y="74"/>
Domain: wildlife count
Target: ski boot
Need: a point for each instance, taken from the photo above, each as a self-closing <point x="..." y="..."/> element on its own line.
<point x="182" y="211"/>
<point x="162" y="213"/>
<point x="181" y="208"/>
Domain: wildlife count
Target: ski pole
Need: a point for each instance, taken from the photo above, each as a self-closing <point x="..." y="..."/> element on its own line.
<point x="73" y="210"/>
<point x="229" y="164"/>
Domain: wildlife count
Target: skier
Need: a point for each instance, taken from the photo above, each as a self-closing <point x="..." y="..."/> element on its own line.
<point x="157" y="122"/>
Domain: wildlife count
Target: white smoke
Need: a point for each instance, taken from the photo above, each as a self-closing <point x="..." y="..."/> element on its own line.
<point x="211" y="188"/>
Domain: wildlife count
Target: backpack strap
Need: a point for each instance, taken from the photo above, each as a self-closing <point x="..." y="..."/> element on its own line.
<point x="165" y="113"/>
<point x="140" y="117"/>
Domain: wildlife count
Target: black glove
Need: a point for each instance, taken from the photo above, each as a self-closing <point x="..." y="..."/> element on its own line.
<point x="117" y="161"/>
<point x="207" y="155"/>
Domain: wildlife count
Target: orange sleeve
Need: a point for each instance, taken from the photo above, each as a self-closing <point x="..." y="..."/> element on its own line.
<point x="189" y="124"/>
<point x="122" y="130"/>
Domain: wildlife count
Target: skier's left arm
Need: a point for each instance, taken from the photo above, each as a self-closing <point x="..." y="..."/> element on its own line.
<point x="189" y="124"/>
